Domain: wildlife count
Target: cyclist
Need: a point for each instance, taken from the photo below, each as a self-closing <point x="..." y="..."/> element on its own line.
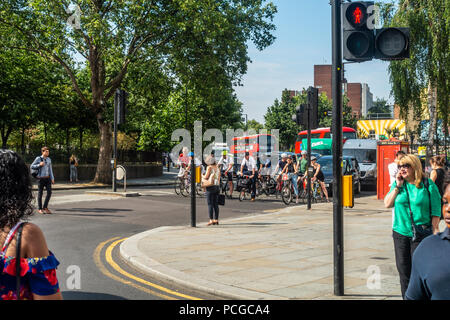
<point x="250" y="164"/>
<point x="318" y="175"/>
<point x="302" y="164"/>
<point x="280" y="166"/>
<point x="265" y="165"/>
<point x="226" y="167"/>
<point x="291" y="168"/>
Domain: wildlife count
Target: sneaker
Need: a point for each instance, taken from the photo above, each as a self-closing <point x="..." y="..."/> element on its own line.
<point x="252" y="199"/>
<point x="47" y="211"/>
<point x="41" y="211"/>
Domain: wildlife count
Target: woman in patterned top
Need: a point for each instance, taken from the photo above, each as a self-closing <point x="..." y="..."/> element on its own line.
<point x="38" y="279"/>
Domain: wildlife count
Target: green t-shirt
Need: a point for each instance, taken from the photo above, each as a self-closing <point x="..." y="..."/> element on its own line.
<point x="419" y="205"/>
<point x="303" y="165"/>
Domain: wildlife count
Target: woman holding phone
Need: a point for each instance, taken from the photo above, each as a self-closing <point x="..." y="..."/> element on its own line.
<point x="417" y="204"/>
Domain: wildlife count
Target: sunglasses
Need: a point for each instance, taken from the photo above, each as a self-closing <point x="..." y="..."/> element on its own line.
<point x="406" y="166"/>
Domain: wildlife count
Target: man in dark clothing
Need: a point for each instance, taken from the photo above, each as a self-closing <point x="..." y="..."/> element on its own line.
<point x="430" y="275"/>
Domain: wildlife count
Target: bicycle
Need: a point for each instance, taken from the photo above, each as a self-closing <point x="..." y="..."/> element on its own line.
<point x="224" y="186"/>
<point x="243" y="186"/>
<point x="267" y="185"/>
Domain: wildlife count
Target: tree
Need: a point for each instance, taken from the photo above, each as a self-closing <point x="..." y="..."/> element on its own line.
<point x="203" y="41"/>
<point x="254" y="125"/>
<point x="426" y="72"/>
<point x="380" y="106"/>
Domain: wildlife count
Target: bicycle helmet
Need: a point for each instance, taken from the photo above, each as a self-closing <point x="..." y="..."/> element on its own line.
<point x="313" y="158"/>
<point x="304" y="152"/>
<point x="284" y="155"/>
<point x="190" y="154"/>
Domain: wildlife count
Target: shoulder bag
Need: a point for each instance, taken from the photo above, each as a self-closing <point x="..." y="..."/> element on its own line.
<point x="18" y="243"/>
<point x="35" y="172"/>
<point x="210" y="181"/>
<point x="420" y="232"/>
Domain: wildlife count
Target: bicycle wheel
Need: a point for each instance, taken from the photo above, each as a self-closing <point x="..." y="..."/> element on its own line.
<point x="286" y="194"/>
<point x="184" y="188"/>
<point x="242" y="195"/>
<point x="177" y="186"/>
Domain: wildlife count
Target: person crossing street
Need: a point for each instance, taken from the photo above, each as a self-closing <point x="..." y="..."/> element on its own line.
<point x="45" y="175"/>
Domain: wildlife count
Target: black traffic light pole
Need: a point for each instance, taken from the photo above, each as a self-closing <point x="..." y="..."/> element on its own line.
<point x="338" y="223"/>
<point x="116" y="103"/>
<point x="308" y="126"/>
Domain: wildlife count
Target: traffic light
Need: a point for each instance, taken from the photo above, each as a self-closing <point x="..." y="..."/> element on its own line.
<point x="358" y="37"/>
<point x="313" y="102"/>
<point x="392" y="43"/>
<point x="300" y="115"/>
<point x="121" y="100"/>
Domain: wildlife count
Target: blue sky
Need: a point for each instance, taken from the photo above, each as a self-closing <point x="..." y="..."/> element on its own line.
<point x="303" y="39"/>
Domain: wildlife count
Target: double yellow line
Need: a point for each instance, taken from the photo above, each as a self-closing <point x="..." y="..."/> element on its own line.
<point x="108" y="257"/>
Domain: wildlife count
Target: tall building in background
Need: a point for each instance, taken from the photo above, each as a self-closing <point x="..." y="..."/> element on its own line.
<point x="359" y="95"/>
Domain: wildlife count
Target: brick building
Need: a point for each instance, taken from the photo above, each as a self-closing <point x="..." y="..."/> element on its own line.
<point x="360" y="98"/>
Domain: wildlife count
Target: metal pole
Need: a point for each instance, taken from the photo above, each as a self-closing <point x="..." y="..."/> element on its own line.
<point x="116" y="101"/>
<point x="308" y="126"/>
<point x="338" y="225"/>
<point x="193" y="206"/>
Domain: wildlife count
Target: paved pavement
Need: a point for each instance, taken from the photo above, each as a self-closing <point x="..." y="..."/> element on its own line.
<point x="166" y="179"/>
<point x="286" y="254"/>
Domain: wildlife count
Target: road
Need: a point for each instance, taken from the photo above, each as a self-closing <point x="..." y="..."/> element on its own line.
<point x="85" y="233"/>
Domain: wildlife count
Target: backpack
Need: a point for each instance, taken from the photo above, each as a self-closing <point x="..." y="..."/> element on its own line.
<point x="35" y="172"/>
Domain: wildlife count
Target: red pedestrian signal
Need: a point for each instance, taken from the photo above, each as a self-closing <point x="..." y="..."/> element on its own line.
<point x="356" y="14"/>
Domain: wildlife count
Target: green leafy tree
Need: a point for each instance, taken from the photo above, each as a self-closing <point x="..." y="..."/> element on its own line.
<point x="201" y="42"/>
<point x="427" y="69"/>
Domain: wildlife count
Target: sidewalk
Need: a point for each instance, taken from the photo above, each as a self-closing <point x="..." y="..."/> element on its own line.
<point x="282" y="255"/>
<point x="166" y="179"/>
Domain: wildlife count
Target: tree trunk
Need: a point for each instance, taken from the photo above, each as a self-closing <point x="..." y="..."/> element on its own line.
<point x="22" y="142"/>
<point x="104" y="172"/>
<point x="431" y="102"/>
<point x="81" y="137"/>
<point x="45" y="134"/>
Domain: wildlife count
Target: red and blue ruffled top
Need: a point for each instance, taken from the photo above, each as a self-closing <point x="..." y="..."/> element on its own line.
<point x="38" y="275"/>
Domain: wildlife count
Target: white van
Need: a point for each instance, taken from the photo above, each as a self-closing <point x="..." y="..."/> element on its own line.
<point x="365" y="151"/>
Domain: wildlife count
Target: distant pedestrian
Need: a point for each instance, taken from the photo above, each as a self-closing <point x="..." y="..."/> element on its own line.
<point x="438" y="172"/>
<point x="393" y="170"/>
<point x="417" y="205"/>
<point x="73" y="162"/>
<point x="430" y="275"/>
<point x="46" y="178"/>
<point x="211" y="180"/>
<point x="22" y="240"/>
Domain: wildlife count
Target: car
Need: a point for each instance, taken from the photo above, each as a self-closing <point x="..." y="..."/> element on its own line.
<point x="365" y="151"/>
<point x="350" y="166"/>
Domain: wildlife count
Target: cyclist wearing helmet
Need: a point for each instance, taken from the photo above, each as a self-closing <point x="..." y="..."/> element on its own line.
<point x="318" y="174"/>
<point x="226" y="166"/>
<point x="280" y="166"/>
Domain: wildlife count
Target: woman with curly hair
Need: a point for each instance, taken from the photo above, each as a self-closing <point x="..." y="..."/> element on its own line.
<point x="27" y="267"/>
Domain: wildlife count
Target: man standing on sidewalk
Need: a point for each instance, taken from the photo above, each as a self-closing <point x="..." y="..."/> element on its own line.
<point x="46" y="178"/>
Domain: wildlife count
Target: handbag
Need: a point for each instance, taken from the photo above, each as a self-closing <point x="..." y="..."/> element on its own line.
<point x="221" y="199"/>
<point x="211" y="181"/>
<point x="420" y="232"/>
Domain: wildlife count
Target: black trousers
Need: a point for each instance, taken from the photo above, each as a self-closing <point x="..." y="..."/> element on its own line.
<point x="212" y="198"/>
<point x="404" y="249"/>
<point x="252" y="182"/>
<point x="47" y="184"/>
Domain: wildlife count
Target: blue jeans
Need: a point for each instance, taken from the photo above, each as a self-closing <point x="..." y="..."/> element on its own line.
<point x="294" y="177"/>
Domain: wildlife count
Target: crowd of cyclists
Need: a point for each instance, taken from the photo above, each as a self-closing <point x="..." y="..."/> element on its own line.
<point x="257" y="176"/>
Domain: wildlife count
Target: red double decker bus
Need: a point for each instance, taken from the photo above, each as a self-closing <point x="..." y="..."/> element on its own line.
<point x="320" y="133"/>
<point x="254" y="145"/>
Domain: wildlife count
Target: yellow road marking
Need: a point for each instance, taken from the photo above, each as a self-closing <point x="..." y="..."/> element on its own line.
<point x="105" y="271"/>
<point x="116" y="267"/>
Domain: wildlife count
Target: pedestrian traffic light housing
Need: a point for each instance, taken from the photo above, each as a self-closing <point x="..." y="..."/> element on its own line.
<point x="392" y="43"/>
<point x="358" y="38"/>
<point x="300" y="115"/>
<point x="121" y="102"/>
<point x="313" y="102"/>
<point x="362" y="42"/>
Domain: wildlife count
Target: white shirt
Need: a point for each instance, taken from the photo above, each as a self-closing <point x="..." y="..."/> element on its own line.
<point x="251" y="164"/>
<point x="226" y="163"/>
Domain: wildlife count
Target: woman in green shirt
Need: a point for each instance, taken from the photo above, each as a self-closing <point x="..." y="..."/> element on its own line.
<point x="409" y="185"/>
